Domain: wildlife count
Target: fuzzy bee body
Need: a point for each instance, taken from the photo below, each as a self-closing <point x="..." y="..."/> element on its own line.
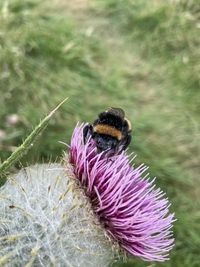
<point x="111" y="131"/>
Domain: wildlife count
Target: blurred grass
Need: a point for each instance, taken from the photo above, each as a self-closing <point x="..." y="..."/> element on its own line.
<point x="140" y="55"/>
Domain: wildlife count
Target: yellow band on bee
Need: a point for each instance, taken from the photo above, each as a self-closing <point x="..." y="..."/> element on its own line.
<point x="129" y="124"/>
<point x="109" y="130"/>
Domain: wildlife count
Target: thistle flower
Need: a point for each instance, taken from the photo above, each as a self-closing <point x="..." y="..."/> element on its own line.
<point x="83" y="213"/>
<point x="127" y="204"/>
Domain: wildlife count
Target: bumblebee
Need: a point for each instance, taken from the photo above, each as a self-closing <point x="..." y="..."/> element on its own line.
<point x="110" y="131"/>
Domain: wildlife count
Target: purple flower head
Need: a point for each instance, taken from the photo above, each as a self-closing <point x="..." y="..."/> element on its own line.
<point x="133" y="212"/>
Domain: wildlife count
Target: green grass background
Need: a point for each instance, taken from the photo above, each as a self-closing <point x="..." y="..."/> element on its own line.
<point x="143" y="56"/>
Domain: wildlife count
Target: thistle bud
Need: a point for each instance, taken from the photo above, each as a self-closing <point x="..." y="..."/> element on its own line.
<point x="46" y="220"/>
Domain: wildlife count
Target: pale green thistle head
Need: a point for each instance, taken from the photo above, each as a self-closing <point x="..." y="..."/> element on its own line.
<point x="46" y="220"/>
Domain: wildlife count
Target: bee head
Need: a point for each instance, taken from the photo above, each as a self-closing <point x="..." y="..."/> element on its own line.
<point x="105" y="142"/>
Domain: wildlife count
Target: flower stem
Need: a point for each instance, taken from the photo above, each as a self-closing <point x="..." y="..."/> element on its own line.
<point x="27" y="144"/>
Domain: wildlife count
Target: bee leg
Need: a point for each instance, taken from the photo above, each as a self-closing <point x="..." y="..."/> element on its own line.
<point x="87" y="130"/>
<point x="126" y="142"/>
